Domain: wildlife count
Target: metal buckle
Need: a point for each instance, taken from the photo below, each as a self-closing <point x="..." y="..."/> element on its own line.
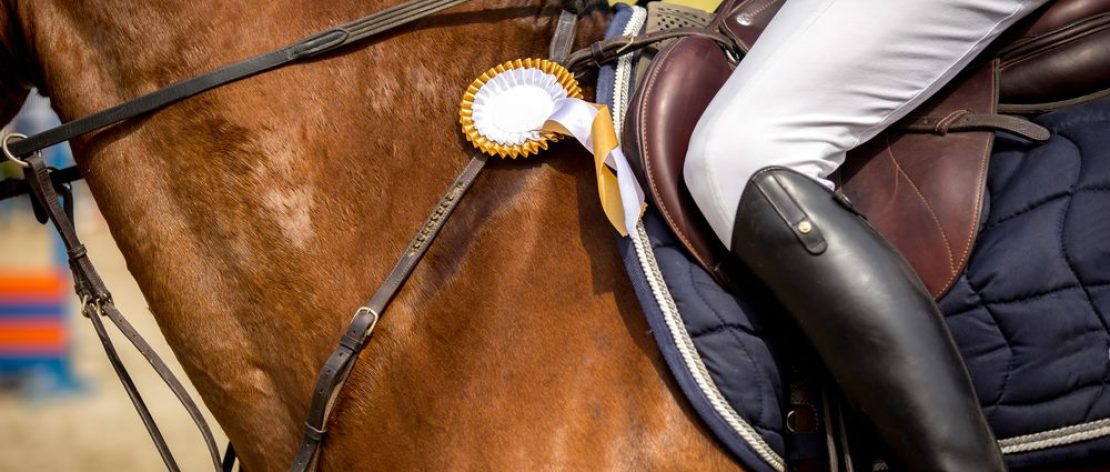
<point x="8" y="153"/>
<point x="87" y="302"/>
<point x="316" y="435"/>
<point x="373" y="324"/>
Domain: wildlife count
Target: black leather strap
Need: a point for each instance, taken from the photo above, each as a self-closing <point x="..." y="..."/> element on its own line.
<point x="339" y="364"/>
<point x="610" y="49"/>
<point x="229" y="458"/>
<point x="40" y="183"/>
<point x="10" y="188"/>
<point x="329" y="40"/>
<point x="98" y="302"/>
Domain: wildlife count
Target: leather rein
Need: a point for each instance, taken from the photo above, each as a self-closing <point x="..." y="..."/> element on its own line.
<point x="51" y="198"/>
<point x="52" y="201"/>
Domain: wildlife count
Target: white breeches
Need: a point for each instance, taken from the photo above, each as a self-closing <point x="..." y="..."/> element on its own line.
<point x="826" y="76"/>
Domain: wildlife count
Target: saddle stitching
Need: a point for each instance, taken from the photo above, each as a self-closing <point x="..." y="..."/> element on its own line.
<point x="996" y="403"/>
<point x="973" y="231"/>
<point x="925" y="203"/>
<point x="649" y="87"/>
<point x="1071" y="266"/>
<point x="719" y="328"/>
<point x="732" y="334"/>
<point x="1060" y="229"/>
<point x="644" y="247"/>
<point x="1036" y="205"/>
<point x="716" y="313"/>
<point x="1093" y="188"/>
<point x="1025" y="298"/>
<point x="980" y="177"/>
<point x="1020" y="299"/>
<point x="693" y="362"/>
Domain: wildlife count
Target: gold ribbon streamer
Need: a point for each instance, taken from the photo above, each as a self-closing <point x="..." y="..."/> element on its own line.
<point x="603" y="136"/>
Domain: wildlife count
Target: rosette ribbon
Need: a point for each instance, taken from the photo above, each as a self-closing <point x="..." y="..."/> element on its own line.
<point x="514" y="109"/>
<point x="622" y="198"/>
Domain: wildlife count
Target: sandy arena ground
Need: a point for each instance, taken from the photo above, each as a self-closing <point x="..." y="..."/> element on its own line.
<point x="95" y="429"/>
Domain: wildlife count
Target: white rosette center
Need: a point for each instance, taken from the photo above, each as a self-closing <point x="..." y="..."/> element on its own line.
<point x="510" y="108"/>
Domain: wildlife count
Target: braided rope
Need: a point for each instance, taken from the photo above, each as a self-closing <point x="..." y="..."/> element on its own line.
<point x="690" y="355"/>
<point x="1056" y="437"/>
<point x="623" y="76"/>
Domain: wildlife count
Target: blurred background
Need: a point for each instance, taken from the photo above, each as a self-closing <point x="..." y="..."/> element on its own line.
<point x="61" y="405"/>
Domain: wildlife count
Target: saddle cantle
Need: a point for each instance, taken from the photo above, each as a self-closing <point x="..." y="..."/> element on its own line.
<point x="920" y="183"/>
<point x="1057" y="58"/>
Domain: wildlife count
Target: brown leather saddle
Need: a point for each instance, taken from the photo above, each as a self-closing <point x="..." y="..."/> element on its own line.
<point x="921" y="183"/>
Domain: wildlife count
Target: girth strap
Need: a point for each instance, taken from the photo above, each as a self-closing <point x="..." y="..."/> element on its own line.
<point x="339" y="364"/>
<point x="329" y="40"/>
<point x="97" y="302"/>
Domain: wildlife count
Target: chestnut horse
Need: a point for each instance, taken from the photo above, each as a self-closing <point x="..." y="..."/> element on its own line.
<point x="257" y="217"/>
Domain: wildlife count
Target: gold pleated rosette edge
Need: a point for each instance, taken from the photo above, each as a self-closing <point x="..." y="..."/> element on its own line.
<point x="532" y="146"/>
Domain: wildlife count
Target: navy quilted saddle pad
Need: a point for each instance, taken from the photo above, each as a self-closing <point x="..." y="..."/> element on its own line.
<point x="1031" y="314"/>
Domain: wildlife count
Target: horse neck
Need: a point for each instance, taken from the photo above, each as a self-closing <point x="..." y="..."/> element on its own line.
<point x="257" y="217"/>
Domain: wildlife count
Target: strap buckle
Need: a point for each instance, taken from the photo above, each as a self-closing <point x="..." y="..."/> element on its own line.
<point x="91" y="305"/>
<point x="355" y="336"/>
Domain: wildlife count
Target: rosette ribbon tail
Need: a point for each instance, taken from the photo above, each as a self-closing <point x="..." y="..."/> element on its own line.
<point x="622" y="198"/>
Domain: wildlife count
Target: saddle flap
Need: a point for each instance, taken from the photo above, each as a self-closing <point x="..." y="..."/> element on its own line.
<point x="670" y="99"/>
<point x="922" y="191"/>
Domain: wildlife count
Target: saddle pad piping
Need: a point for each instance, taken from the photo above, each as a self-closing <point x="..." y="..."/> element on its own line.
<point x="690" y="355"/>
<point x="1056" y="437"/>
<point x="1043" y="440"/>
<point x="648" y="264"/>
<point x="623" y="86"/>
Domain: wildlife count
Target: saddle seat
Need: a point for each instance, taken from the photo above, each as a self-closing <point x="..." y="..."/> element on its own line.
<point x="920" y="183"/>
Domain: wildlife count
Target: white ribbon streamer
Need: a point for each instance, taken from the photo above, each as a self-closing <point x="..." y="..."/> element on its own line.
<point x="577" y="116"/>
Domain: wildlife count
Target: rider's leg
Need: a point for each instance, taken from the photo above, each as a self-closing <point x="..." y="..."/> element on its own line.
<point x="824" y="77"/>
<point x="868" y="317"/>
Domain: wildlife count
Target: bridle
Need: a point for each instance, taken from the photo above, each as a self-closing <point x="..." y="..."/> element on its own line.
<point x="47" y="186"/>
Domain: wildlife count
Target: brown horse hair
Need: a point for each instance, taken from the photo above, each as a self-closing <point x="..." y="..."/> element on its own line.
<point x="257" y="217"/>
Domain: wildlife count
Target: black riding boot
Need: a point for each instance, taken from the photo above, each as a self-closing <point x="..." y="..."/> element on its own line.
<point x="870" y="319"/>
